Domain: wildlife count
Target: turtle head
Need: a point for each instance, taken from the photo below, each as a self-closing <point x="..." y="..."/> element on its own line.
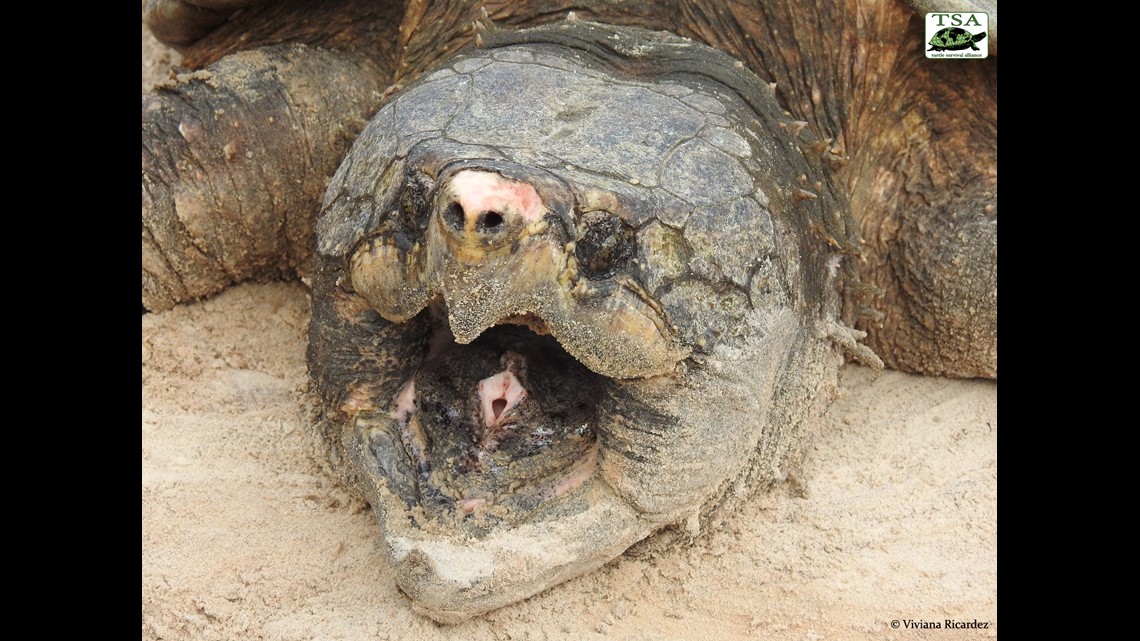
<point x="564" y="300"/>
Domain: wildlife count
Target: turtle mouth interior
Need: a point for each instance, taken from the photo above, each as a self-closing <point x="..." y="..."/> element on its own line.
<point x="491" y="433"/>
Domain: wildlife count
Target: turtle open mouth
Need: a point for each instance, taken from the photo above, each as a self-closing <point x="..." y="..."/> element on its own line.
<point x="487" y="434"/>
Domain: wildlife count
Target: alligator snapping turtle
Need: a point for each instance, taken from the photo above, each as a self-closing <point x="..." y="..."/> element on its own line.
<point x="581" y="282"/>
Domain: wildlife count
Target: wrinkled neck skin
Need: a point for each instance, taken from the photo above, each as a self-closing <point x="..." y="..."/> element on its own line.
<point x="570" y="289"/>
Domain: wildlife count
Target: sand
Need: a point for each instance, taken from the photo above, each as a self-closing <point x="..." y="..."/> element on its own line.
<point x="247" y="536"/>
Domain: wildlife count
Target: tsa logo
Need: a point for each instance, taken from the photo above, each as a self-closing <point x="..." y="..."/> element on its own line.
<point x="956" y="35"/>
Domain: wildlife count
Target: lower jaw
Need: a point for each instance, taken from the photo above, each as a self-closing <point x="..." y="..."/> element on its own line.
<point x="451" y="577"/>
<point x="472" y="505"/>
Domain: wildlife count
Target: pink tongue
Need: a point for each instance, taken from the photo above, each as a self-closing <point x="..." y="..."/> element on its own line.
<point x="498" y="394"/>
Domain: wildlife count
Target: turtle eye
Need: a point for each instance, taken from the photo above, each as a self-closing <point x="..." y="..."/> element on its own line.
<point x="414" y="201"/>
<point x="604" y="245"/>
<point x="406" y="223"/>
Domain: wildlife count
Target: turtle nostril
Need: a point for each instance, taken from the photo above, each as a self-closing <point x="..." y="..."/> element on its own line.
<point x="454" y="215"/>
<point x="490" y="220"/>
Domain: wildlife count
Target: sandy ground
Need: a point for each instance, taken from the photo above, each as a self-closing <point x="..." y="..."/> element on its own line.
<point x="245" y="536"/>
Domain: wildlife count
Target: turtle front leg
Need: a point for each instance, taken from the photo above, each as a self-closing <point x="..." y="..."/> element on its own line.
<point x="236" y="155"/>
<point x="235" y="159"/>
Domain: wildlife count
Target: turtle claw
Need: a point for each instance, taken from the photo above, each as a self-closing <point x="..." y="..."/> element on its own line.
<point x="482" y="25"/>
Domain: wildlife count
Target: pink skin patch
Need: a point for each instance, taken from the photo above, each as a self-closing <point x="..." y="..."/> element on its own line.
<point x="411" y="432"/>
<point x="405" y="402"/>
<point x="467" y="506"/>
<point x="581" y="472"/>
<point x="481" y="191"/>
<point x="498" y="394"/>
